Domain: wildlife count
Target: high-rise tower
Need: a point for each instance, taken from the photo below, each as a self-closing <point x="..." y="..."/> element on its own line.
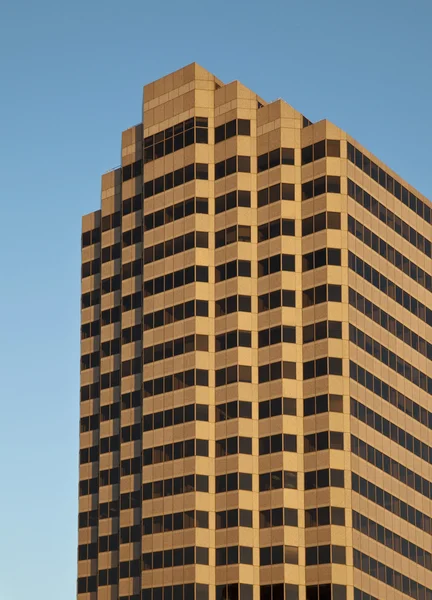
<point x="255" y="361"/>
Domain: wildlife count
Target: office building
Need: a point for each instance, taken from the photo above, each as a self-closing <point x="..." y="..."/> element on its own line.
<point x="256" y="342"/>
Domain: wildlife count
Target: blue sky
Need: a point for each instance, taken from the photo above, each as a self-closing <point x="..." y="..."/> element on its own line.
<point x="71" y="81"/>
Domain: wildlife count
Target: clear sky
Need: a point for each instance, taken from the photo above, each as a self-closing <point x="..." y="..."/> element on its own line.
<point x="71" y="77"/>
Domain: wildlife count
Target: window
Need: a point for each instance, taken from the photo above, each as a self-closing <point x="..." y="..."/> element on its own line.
<point x="233" y="374"/>
<point x="190" y="343"/>
<point x="174" y="558"/>
<point x="89" y="392"/>
<point x="109" y="412"/>
<point x="90" y="423"/>
<point x="275" y="264"/>
<point x="276" y="407"/>
<point x="108" y="510"/>
<point x="390" y="359"/>
<point x="173" y="213"/>
<point x="277" y="517"/>
<point x="132" y="301"/>
<point x="131" y="334"/>
<point x="111" y="221"/>
<point x="327" y="184"/>
<point x="277" y="480"/>
<point x="276" y="228"/>
<point x="389" y="288"/>
<point x="90" y="329"/>
<point x="233" y="445"/>
<point x="87" y="584"/>
<point x="277" y="443"/>
<point x="276" y="299"/>
<point x="232" y="339"/>
<point x="175" y="592"/>
<point x="389" y="218"/>
<point x="90" y="361"/>
<point x="132" y="236"/>
<point x="233" y="518"/>
<point x="235" y="164"/>
<point x="176" y="178"/>
<point x="232" y="304"/>
<point x="234" y="268"/>
<point x="233" y="481"/>
<point x="384" y="249"/>
<point x="88" y="519"/>
<point x="234" y="410"/>
<point x="323" y="403"/>
<point x="131" y="466"/>
<point x="90" y="237"/>
<point x="240" y="198"/>
<point x="276" y="370"/>
<point x="391" y="503"/>
<point x="324" y="478"/>
<point x="131" y="205"/>
<point x="231" y="129"/>
<point x="172" y="522"/>
<point x="174" y="280"/>
<point x="91" y="267"/>
<point x="391" y="431"/>
<point x="324" y="515"/>
<point x="320" y="258"/>
<point x="276" y="335"/>
<point x="240" y="591"/>
<point x="389" y="394"/>
<point x="274" y="158"/>
<point x="386" y="181"/>
<point x="109" y="476"/>
<point x="390" y="324"/>
<point x="112" y="252"/>
<point x="90" y="299"/>
<point x="323" y="555"/>
<point x="236" y="233"/>
<point x="182" y="243"/>
<point x="89" y="455"/>
<point x="175" y="451"/>
<point x="131" y="366"/>
<point x="324" y="440"/>
<point x="130" y="433"/>
<point x="112" y="443"/>
<point x="390" y="576"/>
<point x="276" y="555"/>
<point x="173" y="487"/>
<point x="111" y="315"/>
<point x="172" y="314"/>
<point x="274" y="193"/>
<point x="322" y="293"/>
<point x="392" y="540"/>
<point x="322" y="366"/>
<point x="388" y="465"/>
<point x="176" y="416"/>
<point x="234" y="555"/>
<point x="109" y="380"/>
<point x="193" y="130"/>
<point x="169" y="383"/>
<point x="131" y="269"/>
<point x="320" y="150"/>
<point x="132" y="170"/>
<point x="131" y="399"/>
<point x="321" y="331"/>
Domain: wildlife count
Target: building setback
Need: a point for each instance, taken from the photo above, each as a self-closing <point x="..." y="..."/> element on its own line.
<point x="256" y="346"/>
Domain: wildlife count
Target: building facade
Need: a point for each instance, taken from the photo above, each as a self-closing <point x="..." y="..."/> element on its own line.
<point x="256" y="338"/>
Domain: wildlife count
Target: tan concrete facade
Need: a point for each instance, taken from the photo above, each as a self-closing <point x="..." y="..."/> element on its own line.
<point x="255" y="361"/>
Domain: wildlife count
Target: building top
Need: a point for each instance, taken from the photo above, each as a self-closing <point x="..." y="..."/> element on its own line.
<point x="182" y="89"/>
